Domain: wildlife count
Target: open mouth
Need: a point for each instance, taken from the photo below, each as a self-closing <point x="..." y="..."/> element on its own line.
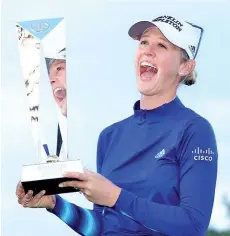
<point x="148" y="69"/>
<point x="59" y="94"/>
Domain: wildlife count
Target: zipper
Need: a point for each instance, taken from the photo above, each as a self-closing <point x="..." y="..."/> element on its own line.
<point x="145" y="112"/>
<point x="143" y="116"/>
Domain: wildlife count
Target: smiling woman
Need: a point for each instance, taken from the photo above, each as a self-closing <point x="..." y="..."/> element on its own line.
<point x="160" y="63"/>
<point x="156" y="171"/>
<point x="57" y="75"/>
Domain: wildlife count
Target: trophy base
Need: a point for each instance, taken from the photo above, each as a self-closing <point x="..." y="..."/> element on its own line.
<point x="49" y="185"/>
<point x="47" y="176"/>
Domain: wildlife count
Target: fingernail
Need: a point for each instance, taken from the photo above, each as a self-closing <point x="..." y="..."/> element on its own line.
<point x="61" y="185"/>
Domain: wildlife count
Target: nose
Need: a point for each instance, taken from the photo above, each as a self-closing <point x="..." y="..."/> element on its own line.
<point x="52" y="79"/>
<point x="53" y="76"/>
<point x="149" y="50"/>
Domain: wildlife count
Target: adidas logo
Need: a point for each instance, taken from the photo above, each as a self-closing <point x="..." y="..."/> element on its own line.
<point x="160" y="154"/>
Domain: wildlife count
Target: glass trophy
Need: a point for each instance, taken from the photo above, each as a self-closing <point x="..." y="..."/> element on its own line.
<point x="42" y="49"/>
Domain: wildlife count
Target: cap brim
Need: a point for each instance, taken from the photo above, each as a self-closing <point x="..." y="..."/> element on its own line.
<point x="139" y="28"/>
<point x="59" y="56"/>
<point x="49" y="61"/>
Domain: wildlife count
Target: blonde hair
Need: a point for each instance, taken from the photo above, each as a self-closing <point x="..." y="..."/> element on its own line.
<point x="189" y="79"/>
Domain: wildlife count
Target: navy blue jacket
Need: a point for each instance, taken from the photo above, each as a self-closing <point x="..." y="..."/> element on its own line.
<point x="165" y="161"/>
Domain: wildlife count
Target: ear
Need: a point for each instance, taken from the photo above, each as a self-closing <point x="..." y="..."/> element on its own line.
<point x="187" y="67"/>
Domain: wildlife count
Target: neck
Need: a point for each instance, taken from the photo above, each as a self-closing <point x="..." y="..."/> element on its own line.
<point x="157" y="100"/>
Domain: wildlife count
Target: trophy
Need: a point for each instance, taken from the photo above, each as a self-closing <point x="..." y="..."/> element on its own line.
<point x="42" y="49"/>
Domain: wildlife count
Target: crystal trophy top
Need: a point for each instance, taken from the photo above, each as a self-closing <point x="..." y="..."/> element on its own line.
<point x="42" y="49"/>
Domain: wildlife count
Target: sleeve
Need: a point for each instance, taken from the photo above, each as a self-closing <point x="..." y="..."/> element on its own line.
<point x="101" y="149"/>
<point x="197" y="158"/>
<point x="83" y="221"/>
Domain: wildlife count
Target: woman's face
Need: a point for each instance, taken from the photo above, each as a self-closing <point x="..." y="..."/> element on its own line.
<point x="58" y="82"/>
<point x="158" y="64"/>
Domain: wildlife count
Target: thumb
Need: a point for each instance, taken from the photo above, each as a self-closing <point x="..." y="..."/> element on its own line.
<point x="87" y="171"/>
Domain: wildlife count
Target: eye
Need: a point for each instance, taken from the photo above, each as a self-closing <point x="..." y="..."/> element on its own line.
<point x="162" y="45"/>
<point x="143" y="42"/>
<point x="60" y="68"/>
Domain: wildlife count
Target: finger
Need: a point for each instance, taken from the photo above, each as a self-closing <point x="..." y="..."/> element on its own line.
<point x="38" y="196"/>
<point x="87" y="192"/>
<point x="20" y="193"/>
<point x="27" y="198"/>
<point x="76" y="175"/>
<point x="75" y="184"/>
<point x="35" y="200"/>
<point x="88" y="198"/>
<point x="87" y="171"/>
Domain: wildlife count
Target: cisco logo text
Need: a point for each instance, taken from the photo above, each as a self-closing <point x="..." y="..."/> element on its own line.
<point x="202" y="158"/>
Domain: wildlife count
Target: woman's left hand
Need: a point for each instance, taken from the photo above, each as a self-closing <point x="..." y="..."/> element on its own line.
<point x="95" y="187"/>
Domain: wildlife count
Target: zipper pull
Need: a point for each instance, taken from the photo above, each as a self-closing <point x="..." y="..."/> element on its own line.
<point x="145" y="111"/>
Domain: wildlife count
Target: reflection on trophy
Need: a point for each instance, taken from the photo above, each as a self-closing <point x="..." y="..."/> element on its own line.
<point x="56" y="67"/>
<point x="42" y="42"/>
<point x="57" y="75"/>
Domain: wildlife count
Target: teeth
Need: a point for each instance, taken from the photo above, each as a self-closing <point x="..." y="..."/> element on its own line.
<point x="58" y="89"/>
<point x="145" y="63"/>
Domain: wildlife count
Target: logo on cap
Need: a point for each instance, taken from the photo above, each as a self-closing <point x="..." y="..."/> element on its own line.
<point x="171" y="21"/>
<point x="192" y="49"/>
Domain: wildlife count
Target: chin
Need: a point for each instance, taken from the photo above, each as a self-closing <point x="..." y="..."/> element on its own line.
<point x="64" y="111"/>
<point x="146" y="91"/>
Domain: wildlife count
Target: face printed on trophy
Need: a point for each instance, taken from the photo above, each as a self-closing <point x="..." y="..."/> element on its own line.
<point x="57" y="77"/>
<point x="42" y="49"/>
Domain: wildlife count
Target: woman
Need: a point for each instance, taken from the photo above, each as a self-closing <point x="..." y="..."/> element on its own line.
<point x="156" y="169"/>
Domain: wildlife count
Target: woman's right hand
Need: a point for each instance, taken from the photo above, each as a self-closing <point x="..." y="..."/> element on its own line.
<point x="38" y="201"/>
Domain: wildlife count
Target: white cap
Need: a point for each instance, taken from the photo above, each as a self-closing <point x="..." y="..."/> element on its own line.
<point x="180" y="33"/>
<point x="60" y="55"/>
